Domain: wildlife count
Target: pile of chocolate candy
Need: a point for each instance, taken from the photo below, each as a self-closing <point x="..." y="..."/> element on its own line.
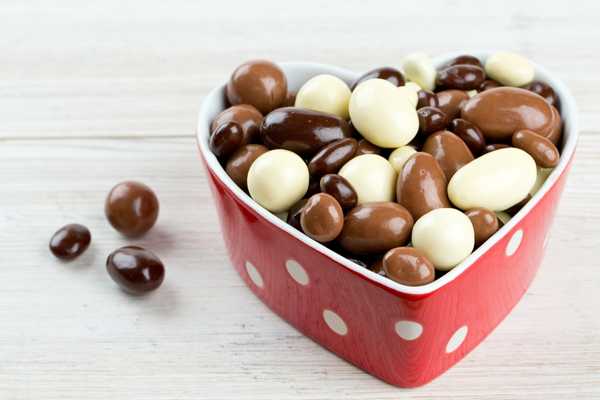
<point x="404" y="172"/>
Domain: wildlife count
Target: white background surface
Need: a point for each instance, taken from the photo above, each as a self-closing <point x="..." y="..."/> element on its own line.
<point x="92" y="94"/>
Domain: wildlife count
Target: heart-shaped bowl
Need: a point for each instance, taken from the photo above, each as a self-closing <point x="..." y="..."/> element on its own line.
<point x="403" y="335"/>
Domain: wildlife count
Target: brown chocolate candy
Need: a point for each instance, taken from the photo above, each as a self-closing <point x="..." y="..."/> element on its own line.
<point x="544" y="90"/>
<point x="555" y="132"/>
<point x="408" y="266"/>
<point x="389" y="74"/>
<point x="70" y="241"/>
<point x="131" y="208"/>
<point x="485" y="223"/>
<point x="290" y="100"/>
<point x="377" y="266"/>
<point x="322" y="218"/>
<point x="464" y="59"/>
<point x="366" y="147"/>
<point x="451" y="102"/>
<point x="239" y="163"/>
<point x="488" y="84"/>
<point x="431" y="119"/>
<point x="469" y="133"/>
<point x="313" y="187"/>
<point x="543" y="151"/>
<point x="449" y="151"/>
<point x="332" y="156"/>
<point x="421" y="185"/>
<point x="339" y="187"/>
<point x="293" y="217"/>
<point x="461" y="77"/>
<point x="259" y="83"/>
<point x="373" y="228"/>
<point x="301" y="130"/>
<point x="425" y="98"/>
<point x="494" y="146"/>
<point x="244" y="114"/>
<point x="226" y="139"/>
<point x="135" y="270"/>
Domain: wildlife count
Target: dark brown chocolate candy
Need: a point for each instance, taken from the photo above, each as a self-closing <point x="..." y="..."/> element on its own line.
<point x="340" y="189"/>
<point x="247" y="116"/>
<point x="408" y="266"/>
<point x="464" y="59"/>
<point x="449" y="151"/>
<point x="366" y="147"/>
<point x="293" y="217"/>
<point x="70" y="241"/>
<point x="494" y="146"/>
<point x="239" y="163"/>
<point x="226" y="139"/>
<point x="131" y="208"/>
<point x="469" y="133"/>
<point x="332" y="156"/>
<point x="259" y="83"/>
<point x="451" y="102"/>
<point x="488" y="84"/>
<point x="461" y="77"/>
<point x="135" y="270"/>
<point x="431" y="119"/>
<point x="544" y="90"/>
<point x="543" y="151"/>
<point x="389" y="74"/>
<point x="425" y="98"/>
<point x="322" y="218"/>
<point x="485" y="224"/>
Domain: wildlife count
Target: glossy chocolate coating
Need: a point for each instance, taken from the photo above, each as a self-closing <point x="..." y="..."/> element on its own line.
<point x="226" y="139"/>
<point x="485" y="223"/>
<point x="70" y="241"/>
<point x="408" y="266"/>
<point x="332" y="156"/>
<point x="135" y="270"/>
<point x="373" y="228"/>
<point x="451" y="102"/>
<point x="259" y="83"/>
<point x="244" y="114"/>
<point x="239" y="163"/>
<point x="339" y="187"/>
<point x="449" y="151"/>
<point x="500" y="112"/>
<point x="494" y="146"/>
<point x="425" y="98"/>
<point x="461" y="77"/>
<point x="543" y="151"/>
<point x="488" y="84"/>
<point x="293" y="217"/>
<point x="464" y="59"/>
<point x="366" y="147"/>
<point x="431" y="119"/>
<point x="131" y="208"/>
<point x="469" y="133"/>
<point x="322" y="218"/>
<point x="555" y="131"/>
<point x="544" y="90"/>
<point x="313" y="187"/>
<point x="389" y="74"/>
<point x="421" y="185"/>
<point x="302" y="131"/>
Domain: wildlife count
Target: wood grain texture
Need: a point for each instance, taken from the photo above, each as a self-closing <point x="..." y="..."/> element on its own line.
<point x="97" y="93"/>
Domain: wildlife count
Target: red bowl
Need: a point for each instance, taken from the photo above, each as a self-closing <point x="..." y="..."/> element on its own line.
<point x="403" y="335"/>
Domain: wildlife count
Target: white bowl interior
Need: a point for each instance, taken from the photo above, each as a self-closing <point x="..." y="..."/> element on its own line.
<point x="299" y="72"/>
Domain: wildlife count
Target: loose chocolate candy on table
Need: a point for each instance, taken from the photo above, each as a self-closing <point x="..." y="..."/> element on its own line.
<point x="485" y="224"/>
<point x="509" y="69"/>
<point x="259" y="83"/>
<point x="277" y="179"/>
<point x="469" y="133"/>
<point x="383" y="114"/>
<point x="322" y="218"/>
<point x="543" y="151"/>
<point x="135" y="270"/>
<point x="374" y="228"/>
<point x="239" y="163"/>
<point x="389" y="74"/>
<point x="445" y="236"/>
<point x="462" y="77"/>
<point x="431" y="119"/>
<point x="425" y="98"/>
<point x="339" y="187"/>
<point x="544" y="90"/>
<point x="325" y="93"/>
<point x="372" y="177"/>
<point x="421" y="186"/>
<point x="399" y="157"/>
<point x="419" y="68"/>
<point x="131" y="208"/>
<point x="366" y="147"/>
<point x="496" y="180"/>
<point x="488" y="84"/>
<point x="408" y="266"/>
<point x="244" y="114"/>
<point x="293" y="216"/>
<point x="332" y="156"/>
<point x="302" y="131"/>
<point x="70" y="241"/>
<point x="451" y="102"/>
<point x="464" y="59"/>
<point x="449" y="151"/>
<point x="494" y="146"/>
<point x="226" y="139"/>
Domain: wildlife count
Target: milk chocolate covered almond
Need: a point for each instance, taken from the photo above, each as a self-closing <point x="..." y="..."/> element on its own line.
<point x="408" y="266"/>
<point x="543" y="151"/>
<point x="451" y="102"/>
<point x="239" y="163"/>
<point x="246" y="115"/>
<point x="322" y="218"/>
<point x="331" y="157"/>
<point x="449" y="150"/>
<point x="485" y="223"/>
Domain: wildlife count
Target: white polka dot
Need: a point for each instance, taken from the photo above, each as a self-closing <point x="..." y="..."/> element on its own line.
<point x="409" y="330"/>
<point x="254" y="274"/>
<point x="297" y="272"/>
<point x="457" y="339"/>
<point x="335" y="322"/>
<point x="514" y="242"/>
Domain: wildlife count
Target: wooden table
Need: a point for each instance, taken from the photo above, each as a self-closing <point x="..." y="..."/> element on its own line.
<point x="94" y="94"/>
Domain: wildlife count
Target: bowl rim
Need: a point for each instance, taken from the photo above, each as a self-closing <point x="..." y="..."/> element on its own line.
<point x="570" y="135"/>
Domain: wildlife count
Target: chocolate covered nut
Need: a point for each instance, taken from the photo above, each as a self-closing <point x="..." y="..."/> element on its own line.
<point x="70" y="241"/>
<point x="509" y="69"/>
<point x="421" y="186"/>
<point x="366" y="147"/>
<point x="389" y="74"/>
<point x="322" y="218"/>
<point x="493" y="147"/>
<point x="419" y="68"/>
<point x="277" y="179"/>
<point x="451" y="102"/>
<point x="259" y="83"/>
<point x="226" y="139"/>
<point x="500" y="112"/>
<point x="431" y="119"/>
<point x="131" y="208"/>
<point x="408" y="266"/>
<point x="293" y="217"/>
<point x="464" y="59"/>
<point x="543" y="151"/>
<point x="399" y="157"/>
<point x="339" y="187"/>
<point x="469" y="133"/>
<point x="425" y="98"/>
<point x="325" y="93"/>
<point x="371" y="176"/>
<point x="544" y="90"/>
<point x="302" y="131"/>
<point x="375" y="228"/>
<point x="246" y="115"/>
<point x="462" y="77"/>
<point x="239" y="163"/>
<point x="488" y="84"/>
<point x="290" y="100"/>
<point x="135" y="270"/>
<point x="449" y="151"/>
<point x="485" y="224"/>
<point x="331" y="157"/>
